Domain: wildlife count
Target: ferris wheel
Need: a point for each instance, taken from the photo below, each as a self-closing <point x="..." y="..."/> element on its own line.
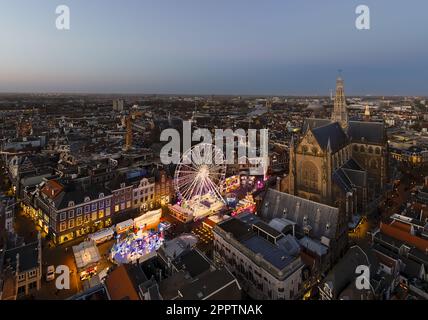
<point x="201" y="171"/>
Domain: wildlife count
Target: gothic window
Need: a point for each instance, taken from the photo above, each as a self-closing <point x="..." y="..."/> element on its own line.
<point x="370" y="150"/>
<point x="362" y="149"/>
<point x="310" y="175"/>
<point x="373" y="164"/>
<point x="377" y="150"/>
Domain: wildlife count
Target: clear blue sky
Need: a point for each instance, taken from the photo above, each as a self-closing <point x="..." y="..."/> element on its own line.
<point x="214" y="47"/>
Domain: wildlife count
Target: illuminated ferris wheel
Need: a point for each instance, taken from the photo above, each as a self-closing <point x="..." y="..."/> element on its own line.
<point x="201" y="172"/>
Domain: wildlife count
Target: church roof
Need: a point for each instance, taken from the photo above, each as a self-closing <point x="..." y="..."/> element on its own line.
<point x="370" y="132"/>
<point x="346" y="179"/>
<point x="331" y="134"/>
<point x="314" y="123"/>
<point x="322" y="218"/>
<point x="352" y="164"/>
<point x="342" y="180"/>
<point x="357" y="177"/>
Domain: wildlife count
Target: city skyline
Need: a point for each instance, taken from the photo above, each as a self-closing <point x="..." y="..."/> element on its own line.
<point x="192" y="48"/>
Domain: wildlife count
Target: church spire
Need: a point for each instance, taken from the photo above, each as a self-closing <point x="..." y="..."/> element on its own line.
<point x="367" y="113"/>
<point x="340" y="113"/>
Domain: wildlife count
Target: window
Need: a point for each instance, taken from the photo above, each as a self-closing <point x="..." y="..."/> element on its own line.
<point x="71" y="224"/>
<point x="101" y="205"/>
<point x="309" y="175"/>
<point x="94" y="216"/>
<point x="87" y="209"/>
<point x="101" y="195"/>
<point x="62" y="226"/>
<point x="94" y="206"/>
<point x="63" y="216"/>
<point x="21" y="277"/>
<point x="21" y="290"/>
<point x="32" y="285"/>
<point x="107" y="212"/>
<point x="362" y="149"/>
<point x="79" y="221"/>
<point x="116" y="208"/>
<point x="71" y="214"/>
<point x="377" y="150"/>
<point x="108" y="203"/>
<point x="87" y="199"/>
<point x="101" y="214"/>
<point x="71" y="203"/>
<point x="79" y="211"/>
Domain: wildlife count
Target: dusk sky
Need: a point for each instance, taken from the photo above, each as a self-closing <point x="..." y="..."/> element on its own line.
<point x="276" y="47"/>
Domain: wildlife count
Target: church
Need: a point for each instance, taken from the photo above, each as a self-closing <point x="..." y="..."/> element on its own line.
<point x="340" y="162"/>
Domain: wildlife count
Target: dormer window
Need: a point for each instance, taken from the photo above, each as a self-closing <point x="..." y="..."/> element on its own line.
<point x="71" y="203"/>
<point x="284" y="212"/>
<point x="101" y="195"/>
<point x="122" y="185"/>
<point x="87" y="199"/>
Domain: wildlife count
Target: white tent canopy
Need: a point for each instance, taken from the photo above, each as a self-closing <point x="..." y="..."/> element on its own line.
<point x="86" y="254"/>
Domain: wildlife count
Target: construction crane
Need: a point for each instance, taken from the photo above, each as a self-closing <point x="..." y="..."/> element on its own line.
<point x="129" y="133"/>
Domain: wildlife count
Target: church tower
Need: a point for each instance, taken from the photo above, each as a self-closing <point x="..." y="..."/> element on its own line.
<point x="367" y="114"/>
<point x="340" y="113"/>
<point x="292" y="168"/>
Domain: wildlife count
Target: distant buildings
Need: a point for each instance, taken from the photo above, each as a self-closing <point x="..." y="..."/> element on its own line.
<point x="118" y="105"/>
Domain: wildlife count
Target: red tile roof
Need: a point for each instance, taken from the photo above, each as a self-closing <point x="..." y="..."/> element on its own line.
<point x="396" y="231"/>
<point x="119" y="285"/>
<point x="52" y="189"/>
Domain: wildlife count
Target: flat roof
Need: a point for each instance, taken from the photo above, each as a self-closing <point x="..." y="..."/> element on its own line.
<point x="267" y="229"/>
<point x="192" y="262"/>
<point x="278" y="257"/>
<point x="238" y="228"/>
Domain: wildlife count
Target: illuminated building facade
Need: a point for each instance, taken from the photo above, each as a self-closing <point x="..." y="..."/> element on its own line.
<point x="340" y="162"/>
